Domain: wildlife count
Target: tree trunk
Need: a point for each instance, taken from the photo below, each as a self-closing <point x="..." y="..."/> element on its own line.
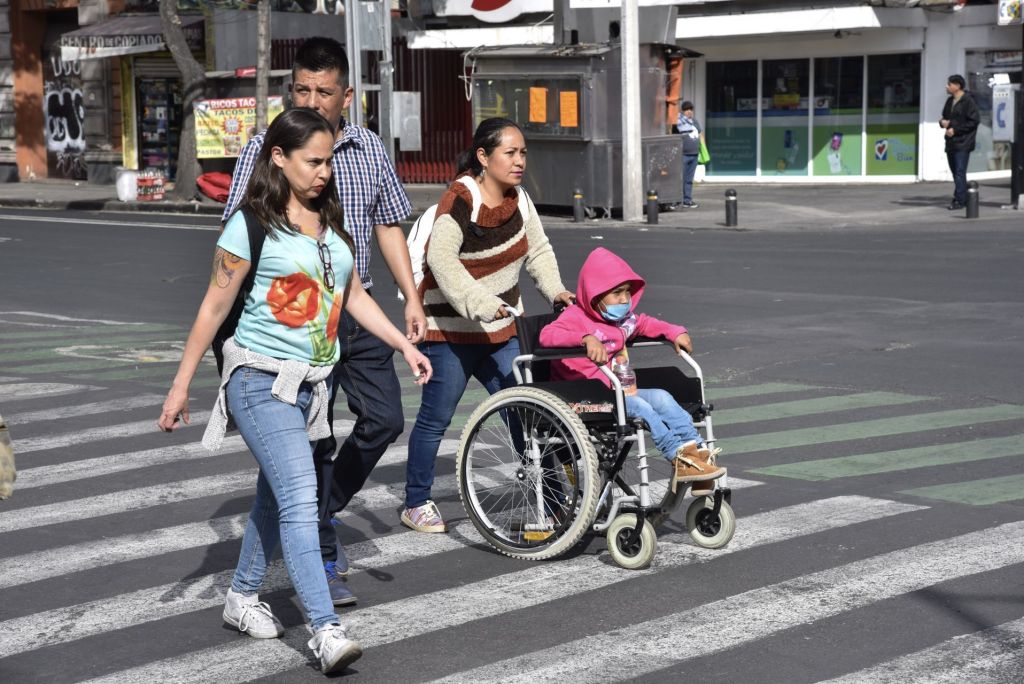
<point x="193" y="78"/>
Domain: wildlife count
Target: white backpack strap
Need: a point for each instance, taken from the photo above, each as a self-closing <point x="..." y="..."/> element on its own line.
<point x="474" y="190"/>
<point x="524" y="203"/>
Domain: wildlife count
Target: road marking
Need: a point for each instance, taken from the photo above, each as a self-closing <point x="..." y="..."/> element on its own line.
<point x="101" y="466"/>
<point x="809" y="407"/>
<point x="105" y="223"/>
<point x="76" y="348"/>
<point x="102" y="337"/>
<point x="713" y="392"/>
<point x="32" y="390"/>
<point x="633" y="651"/>
<point x="985" y="492"/>
<point x="241" y="661"/>
<point x="63" y="412"/>
<point x="73" y="332"/>
<point x="96" y="434"/>
<point x="991" y="656"/>
<point x="882" y="427"/>
<point x="901" y="459"/>
<point x="127" y="500"/>
<point x="77" y="366"/>
<point x="69" y="319"/>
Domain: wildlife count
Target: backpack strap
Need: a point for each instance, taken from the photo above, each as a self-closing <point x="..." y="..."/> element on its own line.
<point x="256" y="237"/>
<point x="474" y="190"/>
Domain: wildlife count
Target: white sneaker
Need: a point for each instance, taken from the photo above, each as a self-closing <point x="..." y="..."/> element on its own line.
<point x="334" y="649"/>
<point x="425" y="518"/>
<point x="249" y="615"/>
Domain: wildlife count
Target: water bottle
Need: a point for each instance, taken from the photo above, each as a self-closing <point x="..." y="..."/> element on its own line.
<point x="625" y="374"/>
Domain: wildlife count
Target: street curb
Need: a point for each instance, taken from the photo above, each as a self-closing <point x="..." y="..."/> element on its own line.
<point x="160" y="207"/>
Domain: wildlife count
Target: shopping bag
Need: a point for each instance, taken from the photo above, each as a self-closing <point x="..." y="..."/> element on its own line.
<point x="703" y="156"/>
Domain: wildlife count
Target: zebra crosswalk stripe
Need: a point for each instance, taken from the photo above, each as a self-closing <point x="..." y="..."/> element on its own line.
<point x="651" y="645"/>
<point x="401" y="619"/>
<point x="89" y="409"/>
<point x="991" y="656"/>
<point x="15" y="391"/>
<point x="27" y="445"/>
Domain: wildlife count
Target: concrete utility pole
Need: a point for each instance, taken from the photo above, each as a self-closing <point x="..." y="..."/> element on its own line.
<point x="262" y="63"/>
<point x="632" y="162"/>
<point x="387" y="80"/>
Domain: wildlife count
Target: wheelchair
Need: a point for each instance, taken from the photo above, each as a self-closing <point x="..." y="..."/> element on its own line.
<point x="543" y="464"/>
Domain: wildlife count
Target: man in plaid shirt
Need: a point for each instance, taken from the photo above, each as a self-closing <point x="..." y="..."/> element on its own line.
<point x="374" y="202"/>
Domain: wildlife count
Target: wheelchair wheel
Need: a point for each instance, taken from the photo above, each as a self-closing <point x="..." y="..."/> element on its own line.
<point x="528" y="473"/>
<point x="659" y="478"/>
<point x="707" y="529"/>
<point x="636" y="554"/>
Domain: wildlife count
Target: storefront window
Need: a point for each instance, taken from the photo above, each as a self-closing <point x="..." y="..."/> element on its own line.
<point x="893" y="112"/>
<point x="731" y="118"/>
<point x="838" y="111"/>
<point x="981" y="65"/>
<point x="784" y="117"/>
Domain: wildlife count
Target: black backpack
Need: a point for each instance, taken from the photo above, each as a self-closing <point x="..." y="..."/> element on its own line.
<point x="227" y="328"/>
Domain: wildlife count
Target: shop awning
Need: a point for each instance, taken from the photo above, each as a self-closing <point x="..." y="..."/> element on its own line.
<point x="125" y="35"/>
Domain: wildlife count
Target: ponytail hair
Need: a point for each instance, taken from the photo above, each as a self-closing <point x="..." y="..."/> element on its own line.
<point x="487" y="137"/>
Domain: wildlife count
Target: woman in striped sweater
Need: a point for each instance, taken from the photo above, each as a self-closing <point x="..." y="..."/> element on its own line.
<point x="471" y="274"/>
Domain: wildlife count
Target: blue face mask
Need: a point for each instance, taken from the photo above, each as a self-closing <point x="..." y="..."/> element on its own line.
<point x="616" y="312"/>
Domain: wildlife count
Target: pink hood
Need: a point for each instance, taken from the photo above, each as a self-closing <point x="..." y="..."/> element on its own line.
<point x="602" y="271"/>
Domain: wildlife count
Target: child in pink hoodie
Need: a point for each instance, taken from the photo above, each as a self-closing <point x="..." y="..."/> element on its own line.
<point x="603" y="319"/>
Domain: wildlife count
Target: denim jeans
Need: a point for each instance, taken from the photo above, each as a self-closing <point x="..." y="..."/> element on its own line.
<point x="453" y="366"/>
<point x="689" y="169"/>
<point x="958" y="165"/>
<point x="284" y="511"/>
<point x="366" y="373"/>
<point x="671" y="426"/>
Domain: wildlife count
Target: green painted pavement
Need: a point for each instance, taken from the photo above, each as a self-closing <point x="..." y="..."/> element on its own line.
<point x="713" y="393"/>
<point x="985" y="492"/>
<point x="70" y="333"/>
<point x="806" y="407"/>
<point x="10" y="350"/>
<point x="882" y="427"/>
<point x="894" y="461"/>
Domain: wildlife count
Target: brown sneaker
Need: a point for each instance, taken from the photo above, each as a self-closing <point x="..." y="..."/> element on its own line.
<point x="689" y="467"/>
<point x="705" y="487"/>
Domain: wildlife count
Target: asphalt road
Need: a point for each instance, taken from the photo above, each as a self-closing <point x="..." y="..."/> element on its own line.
<point x="868" y="400"/>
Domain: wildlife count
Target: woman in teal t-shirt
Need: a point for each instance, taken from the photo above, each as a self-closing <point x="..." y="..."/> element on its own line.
<point x="277" y="365"/>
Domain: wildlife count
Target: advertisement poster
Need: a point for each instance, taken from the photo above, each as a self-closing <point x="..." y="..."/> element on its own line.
<point x="224" y="126"/>
<point x="733" y="147"/>
<point x="784" y="150"/>
<point x="1009" y="12"/>
<point x="837" y="150"/>
<point x="892" y="150"/>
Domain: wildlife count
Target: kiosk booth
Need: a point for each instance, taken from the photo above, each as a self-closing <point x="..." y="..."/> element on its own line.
<point x="567" y="99"/>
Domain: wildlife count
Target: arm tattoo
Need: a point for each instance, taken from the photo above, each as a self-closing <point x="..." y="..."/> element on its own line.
<point x="225" y="265"/>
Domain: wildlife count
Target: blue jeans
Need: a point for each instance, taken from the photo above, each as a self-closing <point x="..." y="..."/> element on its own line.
<point x="284" y="511"/>
<point x="366" y="373"/>
<point x="958" y="165"/>
<point x="671" y="426"/>
<point x="689" y="169"/>
<point x="453" y="366"/>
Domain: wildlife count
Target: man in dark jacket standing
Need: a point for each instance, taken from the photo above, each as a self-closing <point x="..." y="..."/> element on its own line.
<point x="960" y="118"/>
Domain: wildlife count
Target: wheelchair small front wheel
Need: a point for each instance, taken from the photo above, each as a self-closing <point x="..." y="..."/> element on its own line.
<point x="708" y="529"/>
<point x="628" y="552"/>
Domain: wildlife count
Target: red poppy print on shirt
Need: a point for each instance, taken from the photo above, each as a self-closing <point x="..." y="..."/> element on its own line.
<point x="294" y="300"/>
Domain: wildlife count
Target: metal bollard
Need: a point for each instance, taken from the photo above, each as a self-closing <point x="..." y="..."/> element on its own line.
<point x="730" y="207"/>
<point x="972" y="199"/>
<point x="652" y="207"/>
<point x="579" y="212"/>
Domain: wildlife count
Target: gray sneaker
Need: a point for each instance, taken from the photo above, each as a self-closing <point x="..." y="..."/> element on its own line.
<point x="334" y="649"/>
<point x="250" y="616"/>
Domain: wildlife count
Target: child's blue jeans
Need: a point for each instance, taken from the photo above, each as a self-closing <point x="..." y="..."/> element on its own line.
<point x="671" y="426"/>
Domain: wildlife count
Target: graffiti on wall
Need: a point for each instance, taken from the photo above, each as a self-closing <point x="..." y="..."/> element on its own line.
<point x="64" y="108"/>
